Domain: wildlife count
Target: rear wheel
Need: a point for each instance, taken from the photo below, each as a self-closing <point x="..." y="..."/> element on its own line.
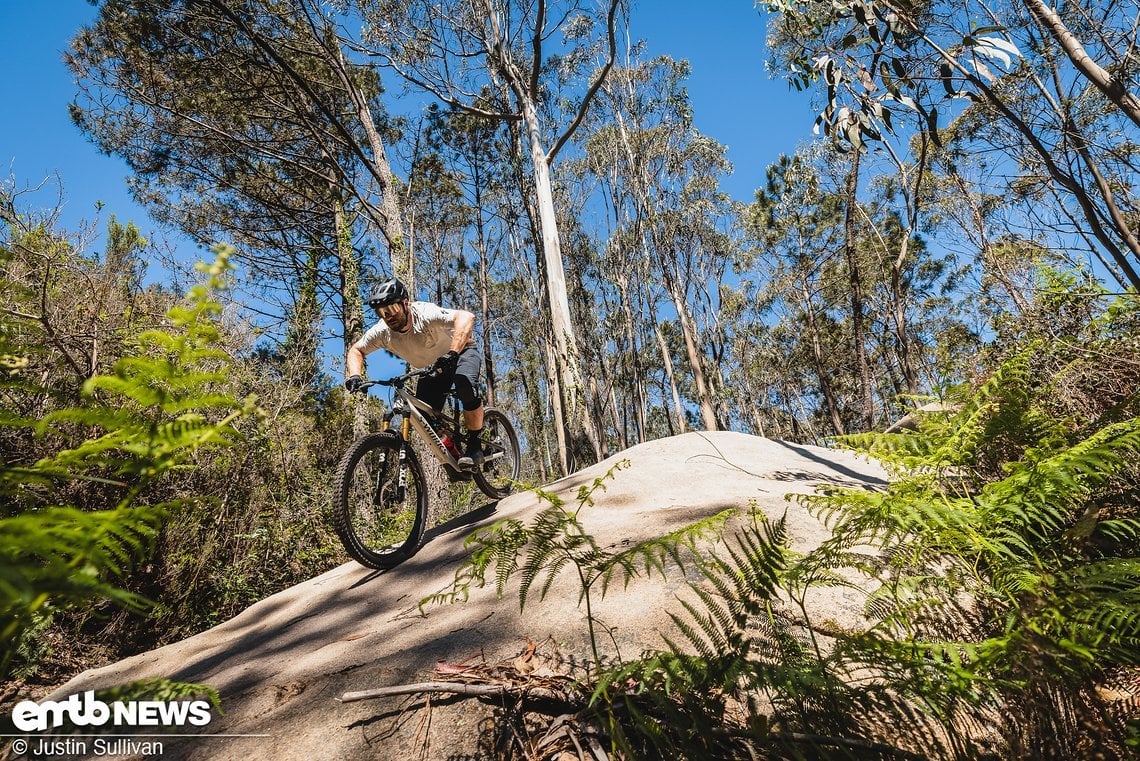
<point x="500" y="468"/>
<point x="380" y="510"/>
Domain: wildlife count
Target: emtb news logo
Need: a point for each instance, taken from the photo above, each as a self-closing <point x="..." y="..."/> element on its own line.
<point x="86" y="711"/>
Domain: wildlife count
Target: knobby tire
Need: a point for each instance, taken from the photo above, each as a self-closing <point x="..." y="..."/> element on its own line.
<point x="497" y="477"/>
<point x="379" y="526"/>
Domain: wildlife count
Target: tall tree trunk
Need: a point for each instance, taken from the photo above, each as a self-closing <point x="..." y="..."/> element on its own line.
<point x="484" y="287"/>
<point x="899" y="327"/>
<point x="825" y="386"/>
<point x="565" y="344"/>
<point x="913" y="200"/>
<point x="485" y="323"/>
<point x="533" y="395"/>
<point x="393" y="228"/>
<point x="637" y="373"/>
<point x="554" y="378"/>
<point x="620" y="416"/>
<point x="603" y="386"/>
<point x="696" y="362"/>
<point x="758" y="421"/>
<point x="555" y="397"/>
<point x="641" y="185"/>
<point x="667" y="362"/>
<point x="594" y="390"/>
<point x="854" y="277"/>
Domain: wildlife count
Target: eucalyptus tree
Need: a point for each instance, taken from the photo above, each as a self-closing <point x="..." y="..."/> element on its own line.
<point x="668" y="175"/>
<point x="855" y="281"/>
<point x="247" y="120"/>
<point x="494" y="59"/>
<point x="1049" y="92"/>
<point x="477" y="154"/>
<point x="620" y="272"/>
<point x="489" y="257"/>
<point x="591" y="307"/>
<point x="706" y="248"/>
<point x="811" y="234"/>
<point x="798" y="228"/>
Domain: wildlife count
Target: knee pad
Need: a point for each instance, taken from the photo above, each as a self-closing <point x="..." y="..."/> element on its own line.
<point x="466" y="393"/>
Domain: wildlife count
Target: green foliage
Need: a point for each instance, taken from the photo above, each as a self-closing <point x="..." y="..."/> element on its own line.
<point x="1006" y="563"/>
<point x="748" y="678"/>
<point x="999" y="571"/>
<point x="556" y="541"/>
<point x="890" y="73"/>
<point x="150" y="416"/>
<point x="161" y="690"/>
<point x="70" y="316"/>
<point x="674" y="701"/>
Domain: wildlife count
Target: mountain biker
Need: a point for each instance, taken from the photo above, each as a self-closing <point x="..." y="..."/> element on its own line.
<point x="425" y="335"/>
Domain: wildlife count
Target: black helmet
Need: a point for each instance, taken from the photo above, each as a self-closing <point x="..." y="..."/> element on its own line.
<point x="388" y="292"/>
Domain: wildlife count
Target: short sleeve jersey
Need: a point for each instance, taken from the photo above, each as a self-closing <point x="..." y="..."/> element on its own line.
<point x="429" y="337"/>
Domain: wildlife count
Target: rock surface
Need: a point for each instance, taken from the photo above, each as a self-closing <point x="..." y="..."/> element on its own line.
<point x="282" y="664"/>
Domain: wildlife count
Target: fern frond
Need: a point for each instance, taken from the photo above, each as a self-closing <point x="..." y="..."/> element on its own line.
<point x="1040" y="497"/>
<point x="586" y="492"/>
<point x="903" y="451"/>
<point x="1122" y="530"/>
<point x="1003" y="398"/>
<point x="551" y="569"/>
<point x="652" y="554"/>
<point x="63" y="556"/>
<point x="691" y="629"/>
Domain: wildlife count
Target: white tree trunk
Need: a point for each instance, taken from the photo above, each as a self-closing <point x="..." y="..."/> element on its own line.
<point x="562" y="328"/>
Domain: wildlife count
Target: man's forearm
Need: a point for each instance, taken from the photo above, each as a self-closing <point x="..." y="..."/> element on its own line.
<point x="463" y="330"/>
<point x="354" y="362"/>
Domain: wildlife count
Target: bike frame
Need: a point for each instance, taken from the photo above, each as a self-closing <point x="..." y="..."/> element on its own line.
<point x="416" y="414"/>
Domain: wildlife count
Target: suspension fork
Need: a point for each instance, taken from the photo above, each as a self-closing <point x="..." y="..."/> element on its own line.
<point x="402" y="468"/>
<point x="402" y="483"/>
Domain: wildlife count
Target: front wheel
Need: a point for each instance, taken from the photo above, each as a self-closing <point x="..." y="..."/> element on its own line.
<point x="500" y="468"/>
<point x="380" y="510"/>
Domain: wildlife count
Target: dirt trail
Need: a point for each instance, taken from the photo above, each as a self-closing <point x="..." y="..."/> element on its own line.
<point x="281" y="664"/>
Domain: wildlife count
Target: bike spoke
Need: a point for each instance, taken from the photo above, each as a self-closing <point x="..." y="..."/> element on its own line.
<point x="382" y="513"/>
<point x="500" y="468"/>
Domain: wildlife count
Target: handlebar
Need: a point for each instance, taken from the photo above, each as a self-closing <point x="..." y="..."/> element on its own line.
<point x="399" y="380"/>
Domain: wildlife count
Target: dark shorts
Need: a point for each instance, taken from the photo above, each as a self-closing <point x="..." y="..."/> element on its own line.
<point x="434" y="390"/>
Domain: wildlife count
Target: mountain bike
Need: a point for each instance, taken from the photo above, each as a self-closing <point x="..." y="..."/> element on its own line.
<point x="381" y="507"/>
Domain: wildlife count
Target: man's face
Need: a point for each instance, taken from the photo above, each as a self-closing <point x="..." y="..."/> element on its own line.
<point x="395" y="316"/>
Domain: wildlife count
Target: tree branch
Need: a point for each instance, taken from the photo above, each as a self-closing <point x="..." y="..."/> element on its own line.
<point x="589" y="96"/>
<point x="459" y="688"/>
<point x="303" y="83"/>
<point x="448" y="100"/>
<point x="1046" y="156"/>
<point x="1112" y="88"/>
<point x="536" y="48"/>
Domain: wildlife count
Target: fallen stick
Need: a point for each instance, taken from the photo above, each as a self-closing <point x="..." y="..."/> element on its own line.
<point x="455" y="688"/>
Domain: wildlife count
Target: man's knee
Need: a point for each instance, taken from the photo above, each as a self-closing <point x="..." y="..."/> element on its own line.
<point x="468" y="395"/>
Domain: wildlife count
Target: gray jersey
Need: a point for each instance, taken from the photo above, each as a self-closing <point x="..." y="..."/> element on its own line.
<point x="429" y="337"/>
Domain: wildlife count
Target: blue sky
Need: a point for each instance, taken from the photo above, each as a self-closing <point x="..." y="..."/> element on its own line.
<point x="733" y="99"/>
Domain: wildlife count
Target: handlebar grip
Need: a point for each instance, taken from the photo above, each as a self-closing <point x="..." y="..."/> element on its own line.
<point x="399" y="379"/>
